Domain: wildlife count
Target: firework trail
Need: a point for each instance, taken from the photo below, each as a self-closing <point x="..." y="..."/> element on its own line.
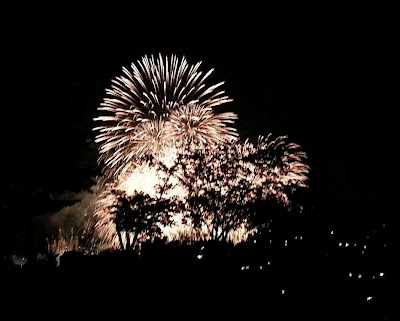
<point x="158" y="103"/>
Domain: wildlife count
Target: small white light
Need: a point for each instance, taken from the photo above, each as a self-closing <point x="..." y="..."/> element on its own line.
<point x="332" y="232"/>
<point x="347" y="244"/>
<point x="365" y="247"/>
<point x="283" y="291"/>
<point x="350" y="274"/>
<point x="285" y="242"/>
<point x="255" y="241"/>
<point x="199" y="256"/>
<point x="261" y="267"/>
<point x="381" y="274"/>
<point x="359" y="276"/>
<point x="369" y="298"/>
<point x="301" y="237"/>
<point x="340" y="243"/>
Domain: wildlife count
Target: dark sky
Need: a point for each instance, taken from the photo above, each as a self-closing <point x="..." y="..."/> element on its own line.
<point x="327" y="84"/>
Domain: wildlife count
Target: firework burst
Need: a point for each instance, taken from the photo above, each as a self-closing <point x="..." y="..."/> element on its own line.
<point x="162" y="130"/>
<point x="159" y="102"/>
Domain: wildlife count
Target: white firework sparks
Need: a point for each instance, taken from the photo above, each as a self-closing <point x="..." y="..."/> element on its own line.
<point x="159" y="102"/>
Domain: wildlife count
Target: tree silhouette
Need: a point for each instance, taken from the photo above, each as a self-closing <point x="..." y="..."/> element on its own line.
<point x="238" y="184"/>
<point x="218" y="189"/>
<point x="139" y="217"/>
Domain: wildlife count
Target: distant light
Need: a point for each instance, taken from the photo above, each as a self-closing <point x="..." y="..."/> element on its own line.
<point x="200" y="256"/>
<point x="365" y="247"/>
<point x="245" y="267"/>
<point x="381" y="274"/>
<point x="383" y="225"/>
<point x="340" y="243"/>
<point x="255" y="241"/>
<point x="283" y="291"/>
<point x="362" y="252"/>
<point x="350" y="274"/>
<point x="347" y="244"/>
<point x="332" y="232"/>
<point x="269" y="262"/>
<point x="261" y="267"/>
<point x="369" y="298"/>
<point x="18" y="260"/>
<point x="355" y="244"/>
<point x="285" y="242"/>
<point x="202" y="247"/>
<point x="301" y="237"/>
<point x="359" y="276"/>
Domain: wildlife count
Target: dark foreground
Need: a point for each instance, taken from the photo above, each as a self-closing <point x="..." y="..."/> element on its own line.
<point x="211" y="280"/>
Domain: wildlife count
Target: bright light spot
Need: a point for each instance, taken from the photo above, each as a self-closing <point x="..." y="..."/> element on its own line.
<point x="261" y="267"/>
<point x="285" y="242"/>
<point x="200" y="256"/>
<point x="350" y="274"/>
<point x="359" y="276"/>
<point x="340" y="243"/>
<point x="283" y="291"/>
<point x="347" y="244"/>
<point x="381" y="274"/>
<point x="255" y="241"/>
<point x="369" y="298"/>
<point x="332" y="232"/>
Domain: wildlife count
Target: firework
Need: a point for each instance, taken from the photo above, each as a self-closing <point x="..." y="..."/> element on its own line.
<point x="157" y="103"/>
<point x="217" y="185"/>
<point x="163" y="139"/>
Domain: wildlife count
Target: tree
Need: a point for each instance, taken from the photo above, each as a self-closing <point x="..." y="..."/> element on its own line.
<point x="218" y="190"/>
<point x="139" y="217"/>
<point x="232" y="186"/>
